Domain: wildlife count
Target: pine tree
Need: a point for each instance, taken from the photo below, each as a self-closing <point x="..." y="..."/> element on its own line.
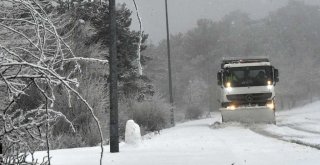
<point x="131" y="83"/>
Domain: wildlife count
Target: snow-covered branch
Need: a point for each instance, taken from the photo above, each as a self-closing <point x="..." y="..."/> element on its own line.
<point x="87" y="59"/>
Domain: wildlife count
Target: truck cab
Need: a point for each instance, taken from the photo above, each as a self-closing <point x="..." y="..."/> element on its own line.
<point x="247" y="90"/>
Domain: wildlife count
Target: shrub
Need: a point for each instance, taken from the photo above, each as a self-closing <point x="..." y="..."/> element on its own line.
<point x="67" y="141"/>
<point x="193" y="112"/>
<point x="93" y="90"/>
<point x="152" y="115"/>
<point x="124" y="116"/>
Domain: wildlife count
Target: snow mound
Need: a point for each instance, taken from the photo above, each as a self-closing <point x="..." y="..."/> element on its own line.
<point x="219" y="125"/>
<point x="132" y="134"/>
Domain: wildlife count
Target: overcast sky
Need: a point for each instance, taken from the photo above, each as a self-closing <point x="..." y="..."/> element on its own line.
<point x="183" y="14"/>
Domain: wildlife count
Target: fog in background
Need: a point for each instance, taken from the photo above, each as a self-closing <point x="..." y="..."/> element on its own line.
<point x="183" y="14"/>
<point x="286" y="32"/>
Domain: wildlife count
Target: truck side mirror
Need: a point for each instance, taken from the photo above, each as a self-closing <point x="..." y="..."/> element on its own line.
<point x="276" y="75"/>
<point x="219" y="78"/>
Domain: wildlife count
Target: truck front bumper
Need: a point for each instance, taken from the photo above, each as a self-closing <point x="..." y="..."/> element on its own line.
<point x="257" y="114"/>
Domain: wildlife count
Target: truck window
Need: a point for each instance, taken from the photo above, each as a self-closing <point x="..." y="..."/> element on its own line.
<point x="248" y="76"/>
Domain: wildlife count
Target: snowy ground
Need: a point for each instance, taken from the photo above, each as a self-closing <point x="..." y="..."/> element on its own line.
<point x="300" y="125"/>
<point x="295" y="140"/>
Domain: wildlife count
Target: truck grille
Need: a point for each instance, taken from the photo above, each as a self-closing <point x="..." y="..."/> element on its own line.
<point x="249" y="98"/>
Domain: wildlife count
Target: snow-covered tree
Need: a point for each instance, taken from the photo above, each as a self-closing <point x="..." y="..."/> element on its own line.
<point x="33" y="55"/>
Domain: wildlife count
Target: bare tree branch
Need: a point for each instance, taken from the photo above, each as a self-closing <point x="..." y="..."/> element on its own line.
<point x="138" y="60"/>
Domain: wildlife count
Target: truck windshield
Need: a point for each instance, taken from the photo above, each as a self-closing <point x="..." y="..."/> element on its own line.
<point x="248" y="76"/>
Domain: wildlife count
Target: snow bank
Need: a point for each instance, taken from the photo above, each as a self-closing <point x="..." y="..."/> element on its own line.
<point x="193" y="143"/>
<point x="132" y="134"/>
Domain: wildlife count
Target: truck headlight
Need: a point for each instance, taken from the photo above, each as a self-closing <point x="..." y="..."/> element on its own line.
<point x="269" y="86"/>
<point x="269" y="82"/>
<point x="228" y="85"/>
<point x="270" y="105"/>
<point x="231" y="107"/>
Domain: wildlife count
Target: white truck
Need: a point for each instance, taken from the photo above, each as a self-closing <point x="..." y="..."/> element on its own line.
<point x="247" y="90"/>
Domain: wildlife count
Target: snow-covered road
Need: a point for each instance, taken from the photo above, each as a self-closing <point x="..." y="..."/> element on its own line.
<point x="300" y="125"/>
<point x="197" y="142"/>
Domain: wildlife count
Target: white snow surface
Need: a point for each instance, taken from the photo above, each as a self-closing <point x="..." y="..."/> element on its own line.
<point x="132" y="134"/>
<point x="301" y="125"/>
<point x="202" y="143"/>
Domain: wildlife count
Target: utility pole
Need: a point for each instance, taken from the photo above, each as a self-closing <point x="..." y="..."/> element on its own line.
<point x="1" y="154"/>
<point x="169" y="65"/>
<point x="114" y="128"/>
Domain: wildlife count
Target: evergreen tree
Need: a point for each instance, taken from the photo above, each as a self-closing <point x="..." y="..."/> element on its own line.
<point x="97" y="15"/>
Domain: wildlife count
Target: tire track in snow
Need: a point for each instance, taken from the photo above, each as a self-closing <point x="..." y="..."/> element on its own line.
<point x="294" y="126"/>
<point x="282" y="138"/>
<point x="261" y="131"/>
